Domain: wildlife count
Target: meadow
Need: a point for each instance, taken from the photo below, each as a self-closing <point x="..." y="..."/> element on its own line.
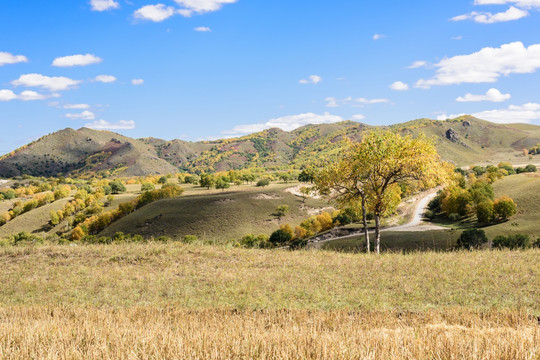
<point x="175" y="301"/>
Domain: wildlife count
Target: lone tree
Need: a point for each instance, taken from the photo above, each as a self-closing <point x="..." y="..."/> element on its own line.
<point x="391" y="160"/>
<point x="346" y="182"/>
<point x="372" y="171"/>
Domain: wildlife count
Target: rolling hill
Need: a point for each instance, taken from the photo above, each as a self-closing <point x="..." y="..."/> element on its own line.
<point x="463" y="141"/>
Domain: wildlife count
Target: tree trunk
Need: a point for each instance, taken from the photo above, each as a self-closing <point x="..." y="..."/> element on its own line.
<point x="364" y="220"/>
<point x="378" y="233"/>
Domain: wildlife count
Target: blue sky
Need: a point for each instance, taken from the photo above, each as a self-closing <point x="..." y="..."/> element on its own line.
<point x="203" y="69"/>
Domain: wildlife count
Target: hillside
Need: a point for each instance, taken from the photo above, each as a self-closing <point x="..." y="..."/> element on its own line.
<point x="83" y="151"/>
<point x="463" y="141"/>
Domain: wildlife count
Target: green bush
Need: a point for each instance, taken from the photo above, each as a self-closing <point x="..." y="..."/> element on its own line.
<point x="280" y="237"/>
<point x="147" y="187"/>
<point x="117" y="187"/>
<point x="472" y="239"/>
<point x="189" y="239"/>
<point x="517" y="241"/>
<point x="263" y="182"/>
<point x="484" y="212"/>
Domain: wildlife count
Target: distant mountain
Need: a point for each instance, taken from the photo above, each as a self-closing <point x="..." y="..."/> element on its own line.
<point x="463" y="141"/>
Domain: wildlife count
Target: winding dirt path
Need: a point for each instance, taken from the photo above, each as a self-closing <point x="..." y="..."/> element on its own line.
<point x="415" y="224"/>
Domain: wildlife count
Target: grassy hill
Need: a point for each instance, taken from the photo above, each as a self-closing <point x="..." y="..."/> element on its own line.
<point x="82" y="152"/>
<point x="463" y="141"/>
<point x="217" y="215"/>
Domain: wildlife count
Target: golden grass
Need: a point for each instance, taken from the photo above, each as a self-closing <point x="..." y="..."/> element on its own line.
<point x="175" y="301"/>
<point x="150" y="333"/>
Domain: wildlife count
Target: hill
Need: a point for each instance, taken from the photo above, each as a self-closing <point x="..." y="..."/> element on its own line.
<point x="79" y="152"/>
<point x="463" y="141"/>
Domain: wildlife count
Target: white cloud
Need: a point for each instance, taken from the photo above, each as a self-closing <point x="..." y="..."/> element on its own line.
<point x="7" y="58"/>
<point x="7" y="95"/>
<point x="486" y="65"/>
<point x="286" y="123"/>
<point x="137" y="81"/>
<point x="378" y="36"/>
<point x="358" y="117"/>
<point x="105" y="78"/>
<point x="312" y="79"/>
<point x="105" y="125"/>
<point x="492" y="95"/>
<point x="76" y="106"/>
<point x="46" y="82"/>
<point x="85" y="115"/>
<point x="520" y="3"/>
<point x="358" y="102"/>
<point x="513" y="114"/>
<point x="511" y="14"/>
<point x="155" y="13"/>
<point x="417" y="64"/>
<point x="459" y="37"/>
<point x="201" y="6"/>
<point x="76" y="60"/>
<point x="203" y="29"/>
<point x="27" y="95"/>
<point x="399" y="86"/>
<point x="102" y="5"/>
<point x="371" y="101"/>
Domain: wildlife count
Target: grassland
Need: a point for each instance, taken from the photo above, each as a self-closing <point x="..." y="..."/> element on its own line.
<point x="175" y="301"/>
<point x="217" y="215"/>
<point x="149" y="333"/>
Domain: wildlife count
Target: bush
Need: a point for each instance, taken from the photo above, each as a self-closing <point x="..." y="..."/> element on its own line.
<point x="280" y="237"/>
<point x="263" y="182"/>
<point x="504" y="207"/>
<point x="517" y="241"/>
<point x="117" y="187"/>
<point x="163" y="180"/>
<point x="484" y="212"/>
<point x="147" y="186"/>
<point x="282" y="210"/>
<point x="454" y="217"/>
<point x="472" y="239"/>
<point x="531" y="168"/>
<point x="189" y="239"/>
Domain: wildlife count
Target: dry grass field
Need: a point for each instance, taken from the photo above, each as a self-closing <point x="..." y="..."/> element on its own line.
<point x="168" y="333"/>
<point x="175" y="301"/>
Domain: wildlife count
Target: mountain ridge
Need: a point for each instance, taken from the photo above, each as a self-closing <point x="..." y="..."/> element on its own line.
<point x="85" y="152"/>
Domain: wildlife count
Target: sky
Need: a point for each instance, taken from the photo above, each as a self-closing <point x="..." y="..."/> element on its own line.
<point x="207" y="69"/>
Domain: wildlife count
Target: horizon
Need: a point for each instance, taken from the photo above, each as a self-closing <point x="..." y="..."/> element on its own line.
<point x="195" y="71"/>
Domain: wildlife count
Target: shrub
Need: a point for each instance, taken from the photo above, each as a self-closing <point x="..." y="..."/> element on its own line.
<point x="504" y="208"/>
<point x="189" y="239"/>
<point x="9" y="194"/>
<point x="117" y="187"/>
<point x="163" y="180"/>
<point x="325" y="220"/>
<point x="517" y="241"/>
<point x="263" y="182"/>
<point x="147" y="186"/>
<point x="472" y="239"/>
<point x="531" y="168"/>
<point x="484" y="212"/>
<point x="280" y="237"/>
<point x="282" y="210"/>
<point x="252" y="241"/>
<point x="222" y="183"/>
<point x="454" y="217"/>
